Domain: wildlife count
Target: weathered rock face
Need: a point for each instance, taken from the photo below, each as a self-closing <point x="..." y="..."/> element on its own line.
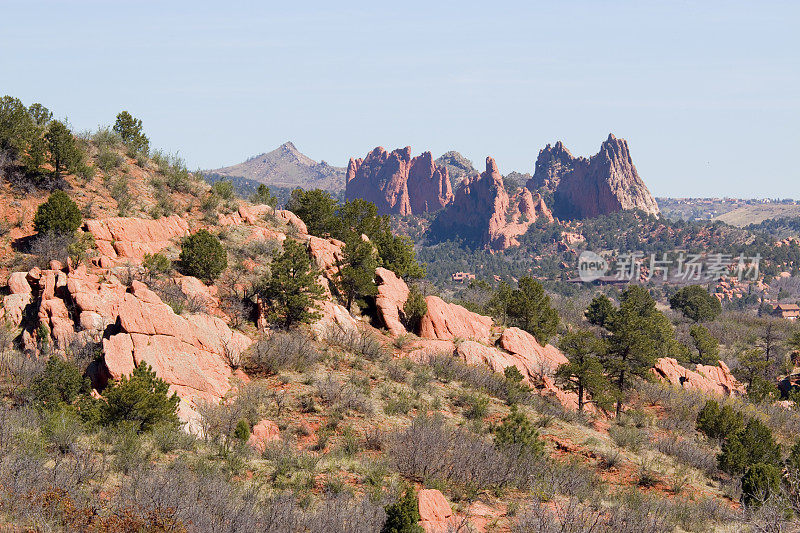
<point x="543" y="360"/>
<point x="131" y="238"/>
<point x="447" y="321"/>
<point x="392" y="295"/>
<point x="605" y="183"/>
<point x="716" y="379"/>
<point x="483" y="212"/>
<point x="264" y="432"/>
<point x="397" y="183"/>
<point x="435" y="513"/>
<point x="458" y="167"/>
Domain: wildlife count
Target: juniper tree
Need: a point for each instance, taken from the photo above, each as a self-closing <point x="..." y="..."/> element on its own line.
<point x="291" y="290"/>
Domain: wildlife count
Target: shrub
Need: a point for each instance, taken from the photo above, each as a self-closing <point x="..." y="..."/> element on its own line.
<point x="223" y="189"/>
<point x="627" y="437"/>
<point x="759" y="482"/>
<point x="59" y="383"/>
<point x="242" y="431"/>
<point x="203" y="256"/>
<point x="749" y="446"/>
<point x="264" y="196"/>
<point x="718" y="423"/>
<point x="130" y="131"/>
<point x="414" y="308"/>
<point x="476" y="406"/>
<point x="296" y="350"/>
<point x="403" y="515"/>
<point x="157" y="264"/>
<point x="696" y="303"/>
<point x="59" y="214"/>
<point x="517" y="431"/>
<point x="141" y="399"/>
<point x="168" y="437"/>
<point x="361" y="342"/>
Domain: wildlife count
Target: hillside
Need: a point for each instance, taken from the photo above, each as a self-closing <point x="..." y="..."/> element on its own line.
<point x="755" y="214"/>
<point x="286" y="166"/>
<point x="374" y="398"/>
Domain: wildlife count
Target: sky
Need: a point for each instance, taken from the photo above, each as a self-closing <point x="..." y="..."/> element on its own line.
<point x="707" y="94"/>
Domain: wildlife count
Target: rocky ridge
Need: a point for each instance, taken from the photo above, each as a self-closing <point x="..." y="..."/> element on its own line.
<point x="397" y="183"/>
<point x="605" y="183"/>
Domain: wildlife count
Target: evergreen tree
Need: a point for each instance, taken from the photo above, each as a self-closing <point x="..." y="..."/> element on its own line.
<point x="414" y="308"/>
<point x="600" y="311"/>
<point x="291" y="290"/>
<point x="639" y="335"/>
<point x="203" y="256"/>
<point x="749" y="446"/>
<point x="141" y="399"/>
<point x="264" y="196"/>
<point x="64" y="151"/>
<point x="317" y="209"/>
<point x="403" y="515"/>
<point x="356" y="275"/>
<point x="517" y="432"/>
<point x="59" y="214"/>
<point x="706" y="345"/>
<point x="695" y="303"/>
<point x="59" y="383"/>
<point x="500" y="301"/>
<point x="129" y="129"/>
<point x="530" y="308"/>
<point x="719" y="423"/>
<point x="759" y="482"/>
<point x="584" y="372"/>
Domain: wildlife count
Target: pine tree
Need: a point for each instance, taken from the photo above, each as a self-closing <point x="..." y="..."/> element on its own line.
<point x="584" y="372"/>
<point x="291" y="290"/>
<point x="141" y="399"/>
<point x="403" y="515"/>
<point x="64" y="152"/>
<point x="356" y="275"/>
<point x="530" y="308"/>
<point x="695" y="303"/>
<point x="706" y="345"/>
<point x="129" y="129"/>
<point x="517" y="432"/>
<point x="600" y="311"/>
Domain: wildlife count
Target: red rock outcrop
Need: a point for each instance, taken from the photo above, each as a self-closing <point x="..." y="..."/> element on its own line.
<point x="716" y="379"/>
<point x="397" y="183"/>
<point x="392" y="295"/>
<point x="447" y="321"/>
<point x="605" y="183"/>
<point x="482" y="211"/>
<point x="264" y="432"/>
<point x="543" y="359"/>
<point x="435" y="513"/>
<point x="132" y="238"/>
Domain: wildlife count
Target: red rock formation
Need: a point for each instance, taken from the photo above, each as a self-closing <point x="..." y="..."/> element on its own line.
<point x="447" y="321"/>
<point x="544" y="359"/>
<point x="482" y="211"/>
<point x="398" y="184"/>
<point x="716" y="379"/>
<point x="605" y="183"/>
<point x="392" y="295"/>
<point x="131" y="238"/>
<point x="435" y="513"/>
<point x="264" y="432"/>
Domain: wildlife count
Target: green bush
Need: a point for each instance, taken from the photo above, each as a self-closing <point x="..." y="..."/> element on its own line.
<point x="142" y="400"/>
<point x="223" y="189"/>
<point x="414" y="309"/>
<point x="203" y="256"/>
<point x="157" y="264"/>
<point x="752" y="445"/>
<point x="264" y="196"/>
<point x="59" y="383"/>
<point x="130" y="131"/>
<point x="759" y="482"/>
<point x="696" y="303"/>
<point x="517" y="431"/>
<point x="59" y="214"/>
<point x="718" y="423"/>
<point x="242" y="431"/>
<point x="403" y="515"/>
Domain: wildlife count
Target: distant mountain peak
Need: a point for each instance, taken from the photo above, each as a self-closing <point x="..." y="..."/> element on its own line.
<point x="286" y="166"/>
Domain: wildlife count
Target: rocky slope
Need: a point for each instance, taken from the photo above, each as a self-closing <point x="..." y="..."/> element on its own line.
<point x="605" y="183"/>
<point x="458" y="167"/>
<point x="483" y="212"/>
<point x="397" y="183"/>
<point x="286" y="166"/>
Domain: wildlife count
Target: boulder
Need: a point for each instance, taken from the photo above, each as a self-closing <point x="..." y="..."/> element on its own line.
<point x="447" y="321"/>
<point x="263" y="433"/>
<point x="292" y="220"/>
<point x="392" y="295"/>
<point x="18" y="283"/>
<point x="435" y="513"/>
<point x="326" y="254"/>
<point x="715" y="379"/>
<point x="539" y="360"/>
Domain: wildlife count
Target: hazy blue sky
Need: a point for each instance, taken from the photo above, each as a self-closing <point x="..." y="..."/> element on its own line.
<point x="706" y="93"/>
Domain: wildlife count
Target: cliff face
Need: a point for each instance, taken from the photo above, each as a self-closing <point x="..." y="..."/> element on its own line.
<point x="482" y="211"/>
<point x="397" y="183"/>
<point x="605" y="183"/>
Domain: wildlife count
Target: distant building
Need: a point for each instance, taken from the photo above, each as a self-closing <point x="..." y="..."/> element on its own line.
<point x="787" y="311"/>
<point x="461" y="277"/>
